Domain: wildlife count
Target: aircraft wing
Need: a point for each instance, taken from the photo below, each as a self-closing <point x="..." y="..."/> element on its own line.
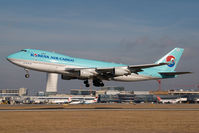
<point x="130" y="68"/>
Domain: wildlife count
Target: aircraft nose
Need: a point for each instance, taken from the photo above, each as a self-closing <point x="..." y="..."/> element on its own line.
<point x="10" y="57"/>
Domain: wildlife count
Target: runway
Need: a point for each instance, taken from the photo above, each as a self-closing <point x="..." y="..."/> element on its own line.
<point x="111" y="118"/>
<point x="101" y="107"/>
<point x="105" y="109"/>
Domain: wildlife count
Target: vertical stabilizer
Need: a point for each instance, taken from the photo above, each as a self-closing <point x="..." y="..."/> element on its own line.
<point x="172" y="58"/>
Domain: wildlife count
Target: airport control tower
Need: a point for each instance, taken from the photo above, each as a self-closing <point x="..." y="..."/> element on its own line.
<point x="51" y="84"/>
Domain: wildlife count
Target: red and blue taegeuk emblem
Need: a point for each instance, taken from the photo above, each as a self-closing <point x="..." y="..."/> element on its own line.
<point x="171" y="60"/>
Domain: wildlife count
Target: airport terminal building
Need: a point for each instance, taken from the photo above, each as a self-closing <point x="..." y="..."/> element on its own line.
<point x="13" y="92"/>
<point x="104" y="95"/>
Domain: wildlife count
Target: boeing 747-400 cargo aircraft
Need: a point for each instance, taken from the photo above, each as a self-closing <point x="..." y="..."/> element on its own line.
<point x="84" y="69"/>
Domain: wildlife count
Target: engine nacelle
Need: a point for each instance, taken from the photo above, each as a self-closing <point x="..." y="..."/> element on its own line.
<point x="120" y="71"/>
<point x="87" y="73"/>
<point x="66" y="77"/>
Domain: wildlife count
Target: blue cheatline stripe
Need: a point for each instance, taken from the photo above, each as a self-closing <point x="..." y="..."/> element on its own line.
<point x="52" y="57"/>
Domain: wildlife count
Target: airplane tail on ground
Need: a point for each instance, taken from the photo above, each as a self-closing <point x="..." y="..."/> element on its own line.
<point x="69" y="99"/>
<point x="159" y="99"/>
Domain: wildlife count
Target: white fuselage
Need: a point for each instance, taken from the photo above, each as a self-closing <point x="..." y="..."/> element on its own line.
<point x="60" y="69"/>
<point x="177" y="100"/>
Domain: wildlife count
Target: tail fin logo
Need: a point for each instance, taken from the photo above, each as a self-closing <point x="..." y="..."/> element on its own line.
<point x="171" y="60"/>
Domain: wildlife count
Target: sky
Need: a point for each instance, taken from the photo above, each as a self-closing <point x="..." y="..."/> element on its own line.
<point x="123" y="31"/>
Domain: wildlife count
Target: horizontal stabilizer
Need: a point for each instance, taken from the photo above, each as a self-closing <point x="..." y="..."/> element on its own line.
<point x="173" y="73"/>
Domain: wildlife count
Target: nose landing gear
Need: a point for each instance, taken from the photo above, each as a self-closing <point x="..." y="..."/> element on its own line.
<point x="27" y="75"/>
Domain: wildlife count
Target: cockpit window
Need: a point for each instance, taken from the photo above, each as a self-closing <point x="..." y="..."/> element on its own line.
<point x="24" y="50"/>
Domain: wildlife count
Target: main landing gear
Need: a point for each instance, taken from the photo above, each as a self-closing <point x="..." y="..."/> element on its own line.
<point x="27" y="75"/>
<point x="86" y="83"/>
<point x="96" y="83"/>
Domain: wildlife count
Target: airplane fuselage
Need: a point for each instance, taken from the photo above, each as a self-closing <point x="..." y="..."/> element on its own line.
<point x="84" y="69"/>
<point x="57" y="63"/>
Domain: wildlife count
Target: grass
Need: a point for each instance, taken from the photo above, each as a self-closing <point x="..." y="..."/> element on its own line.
<point x="101" y="121"/>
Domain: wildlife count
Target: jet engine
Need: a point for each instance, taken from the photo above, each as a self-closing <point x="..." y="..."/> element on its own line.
<point x="87" y="73"/>
<point x="66" y="77"/>
<point x="120" y="71"/>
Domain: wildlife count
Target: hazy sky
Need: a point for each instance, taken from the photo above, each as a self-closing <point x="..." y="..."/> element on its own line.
<point x="122" y="31"/>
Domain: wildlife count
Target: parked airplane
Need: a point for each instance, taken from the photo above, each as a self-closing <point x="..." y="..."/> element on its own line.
<point x="76" y="101"/>
<point x="171" y="100"/>
<point x="77" y="68"/>
<point x="83" y="100"/>
<point x="59" y="101"/>
<point x="90" y="100"/>
<point x="52" y="100"/>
